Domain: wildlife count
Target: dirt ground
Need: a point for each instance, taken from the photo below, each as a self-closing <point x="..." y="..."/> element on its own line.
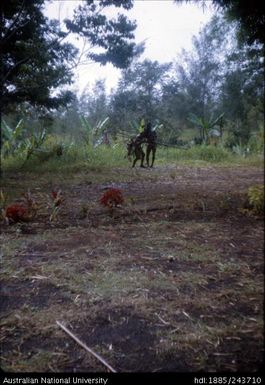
<point x="171" y="281"/>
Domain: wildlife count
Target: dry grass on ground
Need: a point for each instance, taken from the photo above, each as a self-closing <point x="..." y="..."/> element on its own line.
<point x="173" y="281"/>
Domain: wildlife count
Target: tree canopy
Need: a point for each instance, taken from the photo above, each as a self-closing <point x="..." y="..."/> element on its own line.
<point x="249" y="15"/>
<point x="219" y="76"/>
<point x="37" y="60"/>
<point x="139" y="91"/>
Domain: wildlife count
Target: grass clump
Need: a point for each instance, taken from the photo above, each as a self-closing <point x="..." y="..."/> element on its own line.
<point x="256" y="198"/>
<point x="212" y="154"/>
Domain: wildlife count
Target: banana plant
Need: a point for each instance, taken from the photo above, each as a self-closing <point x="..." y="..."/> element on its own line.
<point x="11" y="136"/>
<point x="13" y="141"/>
<point x="100" y="133"/>
<point x="34" y="142"/>
<point x="207" y="126"/>
<point x="87" y="135"/>
<point x="158" y="127"/>
<point x="133" y="127"/>
<point x="97" y="134"/>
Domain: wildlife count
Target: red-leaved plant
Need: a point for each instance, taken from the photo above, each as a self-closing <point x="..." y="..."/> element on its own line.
<point x="112" y="198"/>
<point x="20" y="212"/>
<point x="15" y="213"/>
<point x="57" y="200"/>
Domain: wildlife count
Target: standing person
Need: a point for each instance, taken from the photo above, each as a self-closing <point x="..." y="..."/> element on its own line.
<point x="148" y="137"/>
<point x="142" y="126"/>
<point x="148" y="130"/>
<point x="145" y="131"/>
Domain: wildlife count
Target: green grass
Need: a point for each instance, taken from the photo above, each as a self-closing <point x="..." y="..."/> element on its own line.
<point x="205" y="155"/>
<point x="75" y="158"/>
<point x="80" y="157"/>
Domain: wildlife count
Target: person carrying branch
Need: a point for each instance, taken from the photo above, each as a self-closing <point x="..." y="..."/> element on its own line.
<point x="148" y="137"/>
<point x="145" y="132"/>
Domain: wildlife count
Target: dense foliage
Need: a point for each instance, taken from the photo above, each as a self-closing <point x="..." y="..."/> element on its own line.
<point x="36" y="58"/>
<point x="218" y="78"/>
<point x="211" y="94"/>
<point x="250" y="16"/>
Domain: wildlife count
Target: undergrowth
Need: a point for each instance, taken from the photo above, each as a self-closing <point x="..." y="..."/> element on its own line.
<point x="80" y="157"/>
<point x="256" y="198"/>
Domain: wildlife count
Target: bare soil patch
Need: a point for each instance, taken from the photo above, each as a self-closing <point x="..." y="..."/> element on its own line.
<point x="172" y="281"/>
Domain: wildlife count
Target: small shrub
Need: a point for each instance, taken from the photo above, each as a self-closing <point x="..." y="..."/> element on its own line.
<point x="256" y="198"/>
<point x="112" y="198"/>
<point x="15" y="213"/>
<point x="57" y="200"/>
<point x="19" y="212"/>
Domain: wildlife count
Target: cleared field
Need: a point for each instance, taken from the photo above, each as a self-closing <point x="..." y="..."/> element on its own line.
<point x="171" y="281"/>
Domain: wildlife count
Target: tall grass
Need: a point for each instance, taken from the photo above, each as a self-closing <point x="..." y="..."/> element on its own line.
<point x="207" y="155"/>
<point x="75" y="158"/>
<point x="80" y="157"/>
<point x="203" y="152"/>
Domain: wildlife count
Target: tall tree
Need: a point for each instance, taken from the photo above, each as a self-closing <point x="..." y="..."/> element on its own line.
<point x="36" y="60"/>
<point x="249" y="15"/>
<point x="242" y="93"/>
<point x="139" y="92"/>
<point x="199" y="72"/>
<point x="221" y="75"/>
<point x="33" y="59"/>
<point x="93" y="104"/>
<point x="173" y="109"/>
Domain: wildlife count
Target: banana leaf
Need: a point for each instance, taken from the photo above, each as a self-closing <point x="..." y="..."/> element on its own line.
<point x="85" y="123"/>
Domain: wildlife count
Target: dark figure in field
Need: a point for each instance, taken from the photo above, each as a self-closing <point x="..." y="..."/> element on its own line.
<point x="134" y="147"/>
<point x="149" y="137"/>
<point x="146" y="132"/>
<point x="151" y="147"/>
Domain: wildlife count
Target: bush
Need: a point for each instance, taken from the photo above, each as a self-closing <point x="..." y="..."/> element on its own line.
<point x="256" y="198"/>
<point x="112" y="198"/>
<point x="256" y="141"/>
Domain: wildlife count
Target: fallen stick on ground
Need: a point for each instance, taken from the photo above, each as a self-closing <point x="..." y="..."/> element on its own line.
<point x="85" y="347"/>
<point x="161" y="319"/>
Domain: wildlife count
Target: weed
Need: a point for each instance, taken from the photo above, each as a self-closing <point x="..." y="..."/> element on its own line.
<point x="57" y="200"/>
<point x="256" y="198"/>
